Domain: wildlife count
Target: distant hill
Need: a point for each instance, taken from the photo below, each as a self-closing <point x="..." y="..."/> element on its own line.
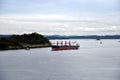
<point x="33" y="40"/>
<point x="76" y="37"/>
<point x="4" y="35"/>
<point x="83" y="37"/>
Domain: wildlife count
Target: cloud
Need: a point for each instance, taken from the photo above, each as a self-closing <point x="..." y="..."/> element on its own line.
<point x="58" y="6"/>
<point x="70" y="17"/>
<point x="34" y="17"/>
<point x="61" y="24"/>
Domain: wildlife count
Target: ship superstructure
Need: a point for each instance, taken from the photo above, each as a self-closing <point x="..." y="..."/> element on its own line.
<point x="66" y="45"/>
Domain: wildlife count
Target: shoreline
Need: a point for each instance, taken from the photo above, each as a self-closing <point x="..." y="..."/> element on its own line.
<point x="25" y="47"/>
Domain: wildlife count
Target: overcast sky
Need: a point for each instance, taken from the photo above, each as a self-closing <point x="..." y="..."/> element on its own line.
<point x="61" y="17"/>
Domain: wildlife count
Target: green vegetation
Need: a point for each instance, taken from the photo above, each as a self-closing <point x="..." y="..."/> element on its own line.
<point x="33" y="40"/>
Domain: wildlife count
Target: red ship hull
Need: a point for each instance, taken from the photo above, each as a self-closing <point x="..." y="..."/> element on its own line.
<point x="64" y="48"/>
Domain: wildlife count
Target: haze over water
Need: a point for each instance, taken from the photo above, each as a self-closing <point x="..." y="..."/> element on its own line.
<point x="93" y="61"/>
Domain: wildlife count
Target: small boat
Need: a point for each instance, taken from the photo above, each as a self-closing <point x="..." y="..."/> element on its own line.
<point x="100" y="42"/>
<point x="66" y="46"/>
<point x="98" y="39"/>
<point x="27" y="48"/>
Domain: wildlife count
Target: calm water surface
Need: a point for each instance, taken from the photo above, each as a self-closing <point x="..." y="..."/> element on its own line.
<point x="93" y="61"/>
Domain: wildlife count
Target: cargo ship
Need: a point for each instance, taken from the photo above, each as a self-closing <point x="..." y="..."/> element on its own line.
<point x="65" y="46"/>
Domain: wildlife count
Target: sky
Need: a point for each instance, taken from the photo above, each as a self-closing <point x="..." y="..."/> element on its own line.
<point x="60" y="17"/>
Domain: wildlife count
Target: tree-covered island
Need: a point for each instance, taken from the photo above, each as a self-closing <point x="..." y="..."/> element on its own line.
<point x="33" y="40"/>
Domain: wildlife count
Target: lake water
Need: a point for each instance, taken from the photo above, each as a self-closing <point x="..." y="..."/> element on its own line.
<point x="93" y="61"/>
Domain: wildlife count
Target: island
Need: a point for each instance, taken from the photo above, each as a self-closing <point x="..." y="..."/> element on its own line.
<point x="25" y="41"/>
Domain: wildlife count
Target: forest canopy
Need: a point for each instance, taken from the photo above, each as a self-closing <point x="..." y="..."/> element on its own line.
<point x="32" y="40"/>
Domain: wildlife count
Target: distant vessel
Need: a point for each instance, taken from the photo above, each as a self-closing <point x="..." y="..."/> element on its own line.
<point x="100" y="42"/>
<point x="66" y="46"/>
<point x="98" y="39"/>
<point x="27" y="48"/>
